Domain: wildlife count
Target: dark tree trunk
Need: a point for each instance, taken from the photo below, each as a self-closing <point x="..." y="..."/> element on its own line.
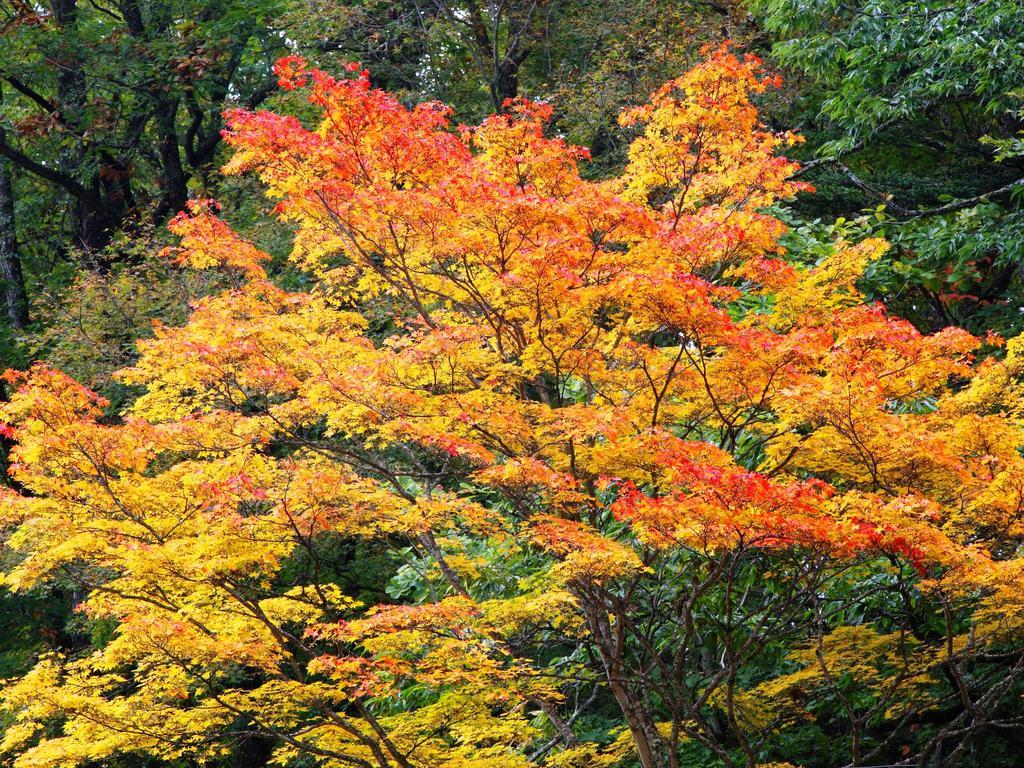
<point x="5" y="444"/>
<point x="100" y="211"/>
<point x="95" y="221"/>
<point x="11" y="277"/>
<point x="500" y="68"/>
<point x="174" y="180"/>
<point x="86" y="215"/>
<point x="506" y="81"/>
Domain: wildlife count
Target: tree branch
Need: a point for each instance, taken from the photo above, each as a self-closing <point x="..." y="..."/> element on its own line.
<point x="864" y="187"/>
<point x="994" y="194"/>
<point x="43" y="172"/>
<point x="912" y="213"/>
<point x="44" y="103"/>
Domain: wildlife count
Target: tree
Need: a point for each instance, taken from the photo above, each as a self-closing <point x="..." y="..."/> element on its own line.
<point x="118" y="107"/>
<point x="907" y="104"/>
<point x="635" y="471"/>
<point x="589" y="59"/>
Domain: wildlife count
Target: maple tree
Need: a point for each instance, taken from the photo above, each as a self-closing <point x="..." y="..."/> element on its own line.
<point x="625" y="457"/>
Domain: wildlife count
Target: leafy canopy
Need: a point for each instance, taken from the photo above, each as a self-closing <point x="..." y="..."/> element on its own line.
<point x="632" y="467"/>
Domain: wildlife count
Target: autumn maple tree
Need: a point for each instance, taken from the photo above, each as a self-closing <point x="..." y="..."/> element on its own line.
<point x="629" y="465"/>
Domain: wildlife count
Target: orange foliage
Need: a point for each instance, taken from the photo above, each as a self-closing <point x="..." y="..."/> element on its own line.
<point x="576" y="383"/>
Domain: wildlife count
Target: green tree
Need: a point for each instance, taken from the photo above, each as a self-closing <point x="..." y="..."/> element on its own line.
<point x="117" y="108"/>
<point x="901" y="102"/>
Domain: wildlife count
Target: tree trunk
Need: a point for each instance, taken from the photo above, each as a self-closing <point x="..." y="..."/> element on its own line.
<point x="650" y="747"/>
<point x="11" y="277"/>
<point x="5" y="444"/>
<point x="173" y="179"/>
<point x="506" y="82"/>
<point x="94" y="216"/>
<point x="71" y="94"/>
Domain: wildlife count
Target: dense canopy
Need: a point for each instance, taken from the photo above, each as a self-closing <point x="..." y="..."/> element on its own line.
<point x="448" y="446"/>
